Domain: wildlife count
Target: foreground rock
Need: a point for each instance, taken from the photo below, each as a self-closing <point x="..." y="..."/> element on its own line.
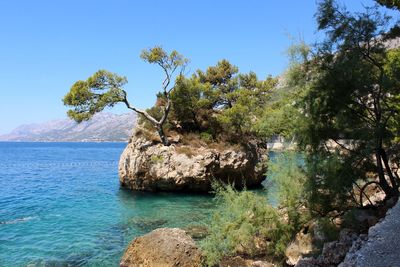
<point x="381" y="247"/>
<point x="150" y="166"/>
<point x="163" y="247"/>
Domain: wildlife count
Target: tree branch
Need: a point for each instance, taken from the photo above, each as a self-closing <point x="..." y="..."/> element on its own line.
<point x="141" y="112"/>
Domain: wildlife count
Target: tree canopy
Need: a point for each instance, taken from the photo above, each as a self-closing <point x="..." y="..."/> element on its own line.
<point x="349" y="106"/>
<point x="105" y="89"/>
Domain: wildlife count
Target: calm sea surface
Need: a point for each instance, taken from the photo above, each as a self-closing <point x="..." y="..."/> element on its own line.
<point x="61" y="205"/>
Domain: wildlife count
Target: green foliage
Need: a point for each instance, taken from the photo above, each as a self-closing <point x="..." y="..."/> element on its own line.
<point x="289" y="183"/>
<point x="394" y="4"/>
<point x="331" y="178"/>
<point x="189" y="106"/>
<point x="282" y="113"/>
<point x="157" y="158"/>
<point x="240" y="218"/>
<point x="105" y="89"/>
<point x="220" y="101"/>
<point x="206" y="137"/>
<point x="348" y="106"/>
<point x="329" y="229"/>
<point x="157" y="55"/>
<point x="102" y="89"/>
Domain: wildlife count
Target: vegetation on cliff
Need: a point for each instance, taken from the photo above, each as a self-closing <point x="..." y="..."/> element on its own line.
<point x="218" y="104"/>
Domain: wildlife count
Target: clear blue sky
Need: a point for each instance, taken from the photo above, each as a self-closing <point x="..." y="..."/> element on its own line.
<point x="45" y="46"/>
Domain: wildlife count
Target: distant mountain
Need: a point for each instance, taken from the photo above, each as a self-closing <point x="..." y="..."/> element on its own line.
<point x="102" y="127"/>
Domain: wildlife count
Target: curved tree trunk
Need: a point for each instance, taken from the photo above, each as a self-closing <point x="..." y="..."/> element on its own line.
<point x="395" y="186"/>
<point x="162" y="135"/>
<point x="381" y="174"/>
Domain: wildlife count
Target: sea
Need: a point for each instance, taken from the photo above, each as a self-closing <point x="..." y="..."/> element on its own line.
<point x="61" y="205"/>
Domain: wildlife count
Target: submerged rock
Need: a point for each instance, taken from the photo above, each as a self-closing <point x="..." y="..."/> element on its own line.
<point x="163" y="247"/>
<point x="197" y="232"/>
<point x="147" y="224"/>
<point x="150" y="166"/>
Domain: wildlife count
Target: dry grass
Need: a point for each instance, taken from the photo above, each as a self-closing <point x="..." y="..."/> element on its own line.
<point x="148" y="135"/>
<point x="185" y="150"/>
<point x="188" y="142"/>
<point x="221" y="146"/>
<point x="193" y="140"/>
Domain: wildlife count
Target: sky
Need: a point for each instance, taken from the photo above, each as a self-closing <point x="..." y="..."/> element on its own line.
<point x="47" y="45"/>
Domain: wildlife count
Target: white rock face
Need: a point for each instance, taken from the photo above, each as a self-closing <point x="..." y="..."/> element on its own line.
<point x="151" y="166"/>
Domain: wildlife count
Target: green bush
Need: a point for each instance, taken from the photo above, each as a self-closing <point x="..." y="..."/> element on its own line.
<point x="206" y="137"/>
<point x="289" y="184"/>
<point x="157" y="158"/>
<point x="241" y="222"/>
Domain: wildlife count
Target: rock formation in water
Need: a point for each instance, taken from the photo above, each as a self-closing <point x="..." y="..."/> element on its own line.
<point x="150" y="166"/>
<point x="163" y="247"/>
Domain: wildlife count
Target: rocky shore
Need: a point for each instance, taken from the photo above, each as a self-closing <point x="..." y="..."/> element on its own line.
<point x="380" y="247"/>
<point x="175" y="247"/>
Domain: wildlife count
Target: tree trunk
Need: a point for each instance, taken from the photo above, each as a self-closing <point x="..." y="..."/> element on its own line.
<point x="163" y="138"/>
<point x="395" y="187"/>
<point x="382" y="180"/>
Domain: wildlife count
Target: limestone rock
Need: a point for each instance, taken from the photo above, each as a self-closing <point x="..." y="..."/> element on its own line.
<point x="308" y="262"/>
<point x="333" y="253"/>
<point x="301" y="245"/>
<point x="380" y="248"/>
<point x="304" y="243"/>
<point x="163" y="247"/>
<point x="150" y="166"/>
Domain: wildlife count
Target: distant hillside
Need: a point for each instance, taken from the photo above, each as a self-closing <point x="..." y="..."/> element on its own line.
<point x="102" y="127"/>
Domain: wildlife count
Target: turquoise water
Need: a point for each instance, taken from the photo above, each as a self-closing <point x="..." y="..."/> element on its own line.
<point x="61" y="205"/>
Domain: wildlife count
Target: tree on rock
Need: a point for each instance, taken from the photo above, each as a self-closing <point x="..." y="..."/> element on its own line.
<point x="105" y="89"/>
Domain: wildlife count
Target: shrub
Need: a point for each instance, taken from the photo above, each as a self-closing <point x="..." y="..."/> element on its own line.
<point x="206" y="137"/>
<point x="147" y="134"/>
<point x="192" y="139"/>
<point x="241" y="221"/>
<point x="289" y="179"/>
<point x="157" y="158"/>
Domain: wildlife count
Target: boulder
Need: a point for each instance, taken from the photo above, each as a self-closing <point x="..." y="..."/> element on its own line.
<point x="305" y="243"/>
<point x="163" y="247"/>
<point x="308" y="262"/>
<point x="301" y="246"/>
<point x="333" y="253"/>
<point x="149" y="166"/>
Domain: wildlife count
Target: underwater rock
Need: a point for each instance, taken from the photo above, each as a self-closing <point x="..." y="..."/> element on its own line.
<point x="147" y="224"/>
<point x="197" y="232"/>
